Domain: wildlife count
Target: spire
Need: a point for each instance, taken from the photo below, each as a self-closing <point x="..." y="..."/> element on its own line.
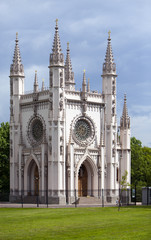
<point x="17" y="66"/>
<point x="125" y="119"/>
<point x="88" y="86"/>
<point x="36" y="82"/>
<point x="84" y="86"/>
<point x="109" y="66"/>
<point x="43" y="85"/>
<point x="69" y="75"/>
<point x="57" y="56"/>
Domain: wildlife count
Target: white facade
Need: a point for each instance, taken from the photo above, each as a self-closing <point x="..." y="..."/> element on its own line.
<point x="62" y="139"/>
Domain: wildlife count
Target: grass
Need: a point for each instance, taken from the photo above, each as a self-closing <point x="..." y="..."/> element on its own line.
<point x="76" y="223"/>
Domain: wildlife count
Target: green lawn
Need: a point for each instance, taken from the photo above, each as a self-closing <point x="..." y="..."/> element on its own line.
<point x="76" y="223"/>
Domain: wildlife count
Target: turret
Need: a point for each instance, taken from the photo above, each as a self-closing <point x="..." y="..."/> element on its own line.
<point x="109" y="94"/>
<point x="69" y="75"/>
<point x="109" y="83"/>
<point x="125" y="142"/>
<point x="125" y="119"/>
<point x="56" y="115"/>
<point x="16" y="82"/>
<point x="125" y="127"/>
<point x="16" y="72"/>
<point x="16" y="90"/>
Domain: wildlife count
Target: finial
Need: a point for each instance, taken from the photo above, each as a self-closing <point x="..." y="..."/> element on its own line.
<point x="35" y="71"/>
<point x="124" y="97"/>
<point x="84" y="70"/>
<point x="67" y="44"/>
<point x="56" y="21"/>
<point x="43" y="80"/>
<point x="109" y="34"/>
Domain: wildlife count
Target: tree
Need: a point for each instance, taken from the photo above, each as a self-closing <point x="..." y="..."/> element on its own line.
<point x="146" y="166"/>
<point x="140" y="164"/>
<point x="123" y="187"/>
<point x="4" y="157"/>
<point x="123" y="183"/>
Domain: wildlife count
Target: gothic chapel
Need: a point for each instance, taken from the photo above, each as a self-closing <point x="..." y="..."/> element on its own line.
<point x="63" y="139"/>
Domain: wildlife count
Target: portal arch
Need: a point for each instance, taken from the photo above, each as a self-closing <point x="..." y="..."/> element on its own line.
<point x="32" y="176"/>
<point x="87" y="184"/>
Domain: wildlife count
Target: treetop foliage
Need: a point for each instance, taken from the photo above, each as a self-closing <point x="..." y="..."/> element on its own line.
<point x="4" y="157"/>
<point x="140" y="164"/>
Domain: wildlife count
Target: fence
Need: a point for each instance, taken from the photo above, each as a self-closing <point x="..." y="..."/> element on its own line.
<point x="103" y="197"/>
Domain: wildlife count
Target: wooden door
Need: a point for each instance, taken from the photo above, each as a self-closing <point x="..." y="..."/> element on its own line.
<point x="82" y="181"/>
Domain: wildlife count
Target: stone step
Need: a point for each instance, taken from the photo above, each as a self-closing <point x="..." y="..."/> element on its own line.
<point x="89" y="200"/>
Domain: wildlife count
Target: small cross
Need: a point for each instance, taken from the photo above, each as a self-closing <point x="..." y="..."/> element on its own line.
<point x="109" y="33"/>
<point x="56" y="21"/>
<point x="67" y="44"/>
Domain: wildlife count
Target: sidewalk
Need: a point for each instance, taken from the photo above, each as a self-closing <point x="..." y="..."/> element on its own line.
<point x="27" y="205"/>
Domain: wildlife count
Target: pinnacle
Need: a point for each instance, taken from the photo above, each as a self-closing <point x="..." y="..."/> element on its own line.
<point x="68" y="65"/>
<point x="56" y="57"/>
<point x="69" y="75"/>
<point x="56" y="43"/>
<point x="125" y="112"/>
<point x="88" y="86"/>
<point x="84" y="82"/>
<point x="36" y="82"/>
<point x="125" y="119"/>
<point x="16" y="66"/>
<point x="43" y="85"/>
<point x="109" y="64"/>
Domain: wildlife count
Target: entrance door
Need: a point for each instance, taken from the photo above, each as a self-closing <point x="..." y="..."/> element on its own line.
<point x="36" y="180"/>
<point x="82" y="181"/>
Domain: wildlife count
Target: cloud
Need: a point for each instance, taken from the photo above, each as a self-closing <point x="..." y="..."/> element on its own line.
<point x="143" y="109"/>
<point x="85" y="25"/>
<point x="141" y="128"/>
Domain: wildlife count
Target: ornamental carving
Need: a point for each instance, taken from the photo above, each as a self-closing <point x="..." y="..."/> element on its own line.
<point x="36" y="130"/>
<point x="83" y="131"/>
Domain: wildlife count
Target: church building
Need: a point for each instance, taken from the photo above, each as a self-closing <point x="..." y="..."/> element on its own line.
<point x="64" y="141"/>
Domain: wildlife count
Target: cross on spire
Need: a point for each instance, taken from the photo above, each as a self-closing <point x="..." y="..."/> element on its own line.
<point x="109" y="34"/>
<point x="56" y="21"/>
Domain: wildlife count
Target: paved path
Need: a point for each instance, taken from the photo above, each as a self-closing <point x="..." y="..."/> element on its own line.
<point x="17" y="205"/>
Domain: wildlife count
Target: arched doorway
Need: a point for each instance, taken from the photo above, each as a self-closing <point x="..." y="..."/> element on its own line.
<point x="82" y="181"/>
<point x="33" y="178"/>
<point x="36" y="181"/>
<point x="87" y="178"/>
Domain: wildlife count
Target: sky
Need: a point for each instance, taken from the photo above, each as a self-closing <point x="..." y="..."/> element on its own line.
<point x="85" y="25"/>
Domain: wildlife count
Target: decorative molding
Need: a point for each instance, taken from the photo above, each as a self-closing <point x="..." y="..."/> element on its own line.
<point x="36" y="138"/>
<point x="91" y="135"/>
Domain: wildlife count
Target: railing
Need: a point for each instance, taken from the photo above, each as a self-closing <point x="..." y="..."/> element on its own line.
<point x="74" y="198"/>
